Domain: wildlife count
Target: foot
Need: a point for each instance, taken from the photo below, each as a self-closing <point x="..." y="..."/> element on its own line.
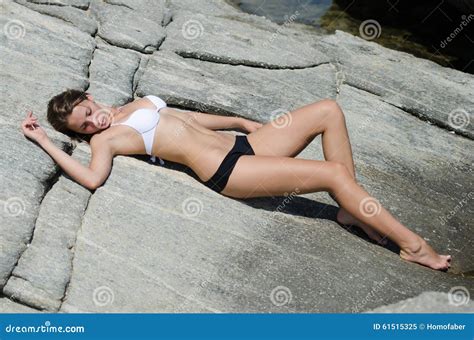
<point x="420" y="252"/>
<point x="345" y="218"/>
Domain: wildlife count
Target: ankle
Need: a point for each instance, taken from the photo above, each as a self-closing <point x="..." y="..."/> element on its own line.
<point x="413" y="246"/>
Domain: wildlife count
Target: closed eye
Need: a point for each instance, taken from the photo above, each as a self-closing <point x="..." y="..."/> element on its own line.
<point x="88" y="113"/>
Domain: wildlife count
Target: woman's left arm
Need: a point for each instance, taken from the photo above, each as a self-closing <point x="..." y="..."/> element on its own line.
<point x="216" y="122"/>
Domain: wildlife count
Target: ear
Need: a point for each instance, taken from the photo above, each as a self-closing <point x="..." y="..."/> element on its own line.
<point x="90" y="97"/>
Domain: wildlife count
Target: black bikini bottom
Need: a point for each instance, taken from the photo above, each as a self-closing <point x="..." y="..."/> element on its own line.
<point x="219" y="180"/>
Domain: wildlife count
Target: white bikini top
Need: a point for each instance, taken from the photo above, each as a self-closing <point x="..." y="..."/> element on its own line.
<point x="145" y="121"/>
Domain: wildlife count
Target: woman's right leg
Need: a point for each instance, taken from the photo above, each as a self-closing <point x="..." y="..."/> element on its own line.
<point x="260" y="176"/>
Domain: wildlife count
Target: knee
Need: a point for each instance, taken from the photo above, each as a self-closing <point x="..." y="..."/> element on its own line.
<point x="340" y="176"/>
<point x="332" y="110"/>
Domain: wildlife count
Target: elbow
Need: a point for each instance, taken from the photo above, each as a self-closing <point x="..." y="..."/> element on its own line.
<point x="93" y="184"/>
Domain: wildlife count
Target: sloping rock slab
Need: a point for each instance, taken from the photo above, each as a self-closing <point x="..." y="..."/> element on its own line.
<point x="111" y="74"/>
<point x="188" y="249"/>
<point x="233" y="41"/>
<point x="24" y="175"/>
<point x="228" y="89"/>
<point x="9" y="306"/>
<point x="122" y="26"/>
<point x="429" y="302"/>
<point x="69" y="14"/>
<point x="420" y="172"/>
<point x="441" y="95"/>
<point x="45" y="266"/>
<point x="41" y="56"/>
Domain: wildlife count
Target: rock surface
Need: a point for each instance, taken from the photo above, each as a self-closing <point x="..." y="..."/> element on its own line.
<point x="429" y="302"/>
<point x="182" y="247"/>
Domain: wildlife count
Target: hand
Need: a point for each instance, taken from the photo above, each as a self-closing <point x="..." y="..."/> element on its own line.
<point x="249" y="125"/>
<point x="31" y="128"/>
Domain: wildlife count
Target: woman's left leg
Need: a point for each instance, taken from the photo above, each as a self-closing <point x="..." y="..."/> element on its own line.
<point x="288" y="134"/>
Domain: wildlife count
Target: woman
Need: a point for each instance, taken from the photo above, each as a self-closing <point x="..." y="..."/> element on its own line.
<point x="259" y="164"/>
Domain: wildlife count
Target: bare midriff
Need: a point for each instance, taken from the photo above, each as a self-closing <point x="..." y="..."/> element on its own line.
<point x="182" y="141"/>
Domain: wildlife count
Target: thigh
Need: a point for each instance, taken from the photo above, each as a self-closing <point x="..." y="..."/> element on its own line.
<point x="289" y="133"/>
<point x="260" y="176"/>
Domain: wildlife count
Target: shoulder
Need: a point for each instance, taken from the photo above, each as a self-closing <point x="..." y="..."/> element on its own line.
<point x="102" y="140"/>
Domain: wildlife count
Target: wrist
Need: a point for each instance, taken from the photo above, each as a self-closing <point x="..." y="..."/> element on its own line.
<point x="43" y="141"/>
<point x="239" y="122"/>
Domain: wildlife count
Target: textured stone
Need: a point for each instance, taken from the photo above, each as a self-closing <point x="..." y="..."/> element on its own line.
<point x="154" y="239"/>
<point x="233" y="41"/>
<point x="441" y="95"/>
<point x="429" y="302"/>
<point x="120" y="25"/>
<point x="241" y="90"/>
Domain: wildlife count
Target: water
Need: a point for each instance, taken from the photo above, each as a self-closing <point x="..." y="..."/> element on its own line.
<point x="417" y="27"/>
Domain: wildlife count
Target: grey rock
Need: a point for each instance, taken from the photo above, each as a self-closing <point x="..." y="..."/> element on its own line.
<point x="24" y="175"/>
<point x="72" y="15"/>
<point x="120" y="26"/>
<point x="180" y="247"/>
<point x="239" y="90"/>
<point x="441" y="95"/>
<point x="430" y="302"/>
<point x="41" y="56"/>
<point x="82" y="4"/>
<point x="235" y="41"/>
<point x="8" y="306"/>
<point x="111" y="73"/>
<point x="208" y="7"/>
<point x="45" y="266"/>
<point x="401" y="159"/>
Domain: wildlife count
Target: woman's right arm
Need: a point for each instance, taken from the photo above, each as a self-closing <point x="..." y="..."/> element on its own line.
<point x="87" y="176"/>
<point x="90" y="177"/>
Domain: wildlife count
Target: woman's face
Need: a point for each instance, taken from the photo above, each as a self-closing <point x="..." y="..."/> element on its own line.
<point x="88" y="117"/>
